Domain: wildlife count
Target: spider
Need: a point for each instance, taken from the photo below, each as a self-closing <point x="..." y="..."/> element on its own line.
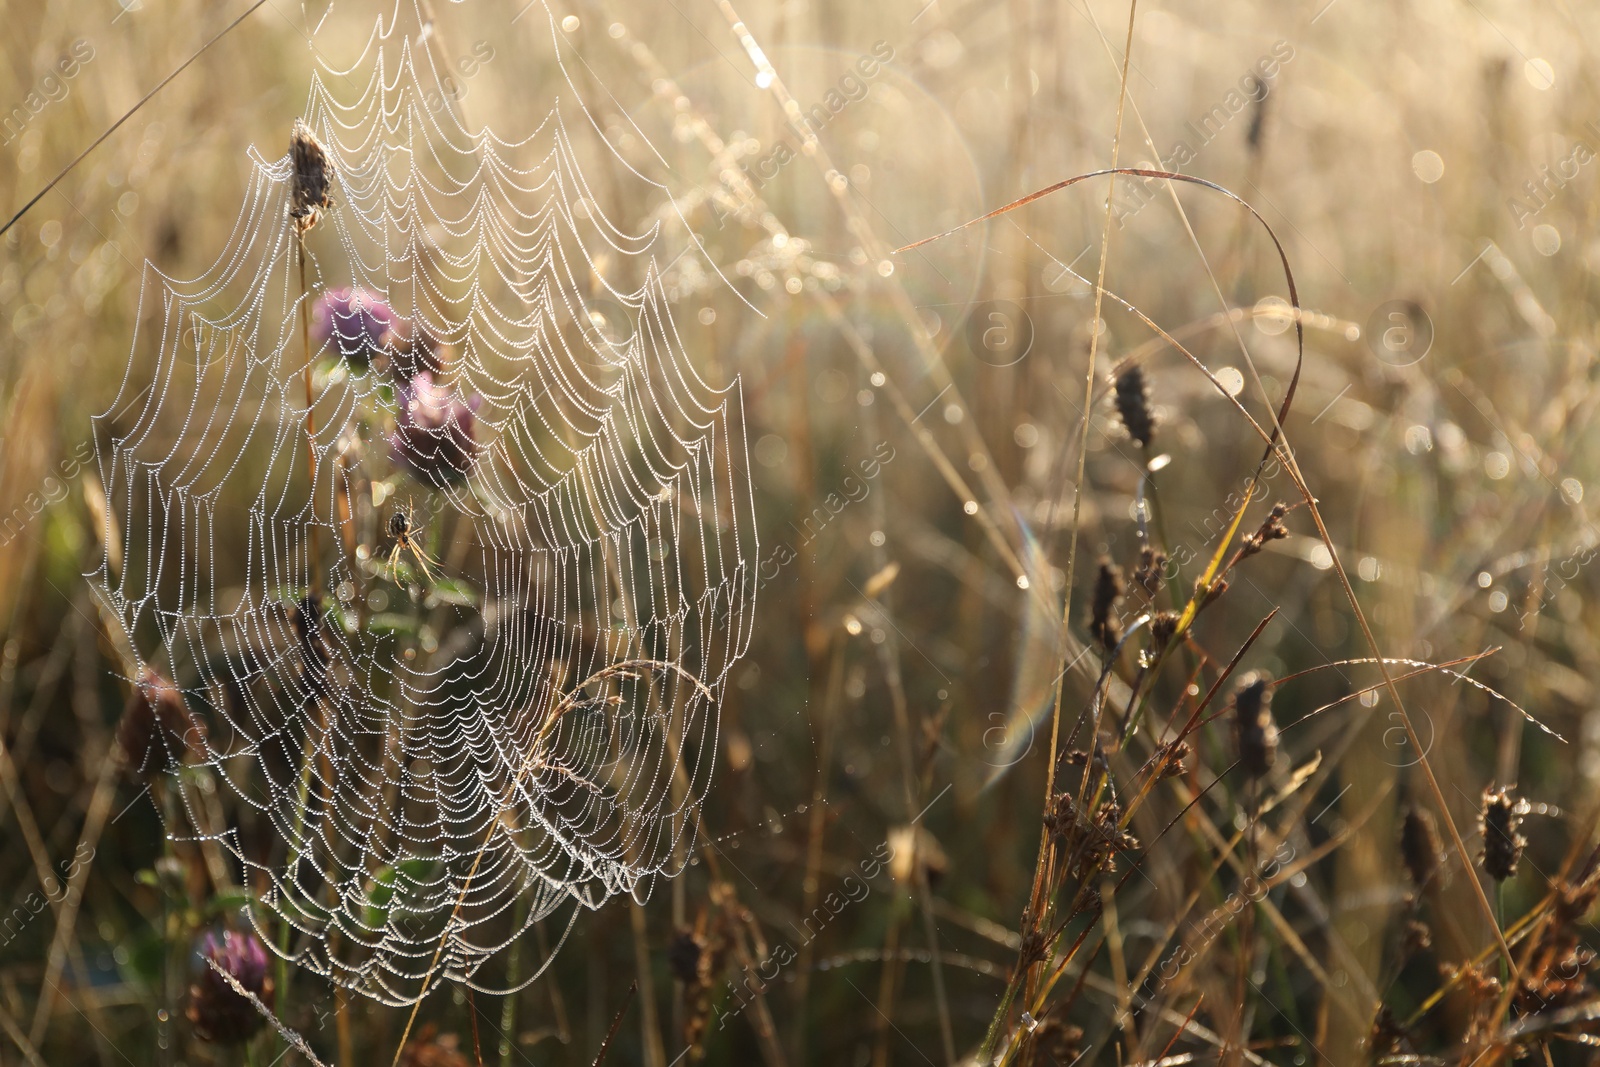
<point x="404" y="531"/>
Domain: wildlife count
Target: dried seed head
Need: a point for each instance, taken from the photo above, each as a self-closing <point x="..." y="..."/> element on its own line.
<point x="1258" y="124"/>
<point x="688" y="958"/>
<point x="1502" y="844"/>
<point x="1271" y="529"/>
<point x="1419" y="846"/>
<point x="1163" y="624"/>
<point x="1574" y="901"/>
<point x="157" y="729"/>
<point x="1388" y="1037"/>
<point x="219" y="1014"/>
<point x="1061" y="817"/>
<point x="1205" y="594"/>
<point x="1103" y="621"/>
<point x="1169" y="759"/>
<point x="1418" y="936"/>
<point x="1256" y="732"/>
<point x="1035" y="946"/>
<point x="1152" y="569"/>
<point x="1133" y="405"/>
<point x="1556" y="975"/>
<point x="312" y="177"/>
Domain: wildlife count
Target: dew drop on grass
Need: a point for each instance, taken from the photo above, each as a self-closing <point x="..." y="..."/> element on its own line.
<point x="1273" y="314"/>
<point x="1428" y="166"/>
<point x="1546" y="239"/>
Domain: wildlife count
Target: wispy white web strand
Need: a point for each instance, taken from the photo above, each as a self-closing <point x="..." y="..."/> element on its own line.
<point x="548" y="707"/>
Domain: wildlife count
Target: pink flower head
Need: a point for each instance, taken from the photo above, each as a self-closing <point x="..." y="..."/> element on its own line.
<point x="218" y="1013"/>
<point x="357" y="324"/>
<point x="433" y="434"/>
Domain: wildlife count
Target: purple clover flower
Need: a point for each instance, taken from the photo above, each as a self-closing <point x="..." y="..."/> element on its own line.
<point x="358" y="324"/>
<point x="219" y="1014"/>
<point x="433" y="435"/>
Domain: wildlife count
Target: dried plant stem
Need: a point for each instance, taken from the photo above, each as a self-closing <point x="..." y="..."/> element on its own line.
<point x="508" y="1003"/>
<point x="29" y="828"/>
<point x="655" y="1053"/>
<point x="20" y="1039"/>
<point x="890" y="653"/>
<point x="94" y="823"/>
<point x="1044" y="869"/>
<point x="314" y="564"/>
<point x="816" y="835"/>
<point x="616" y="1024"/>
<point x="886" y="990"/>
<point x="745" y="932"/>
<point x="341" y="1023"/>
<point x="294" y="1040"/>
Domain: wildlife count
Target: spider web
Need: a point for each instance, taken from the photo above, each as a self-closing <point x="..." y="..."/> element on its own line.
<point x="425" y="766"/>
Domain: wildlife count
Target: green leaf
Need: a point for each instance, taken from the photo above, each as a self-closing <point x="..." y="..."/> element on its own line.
<point x="390" y="622"/>
<point x="381" y="893"/>
<point x="451" y="591"/>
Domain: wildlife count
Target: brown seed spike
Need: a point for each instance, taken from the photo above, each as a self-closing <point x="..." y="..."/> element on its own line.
<point x="1169" y="759"/>
<point x="1103" y="621"/>
<point x="1163" y="624"/>
<point x="1418" y="937"/>
<point x="1133" y="405"/>
<point x="1502" y="844"/>
<point x="687" y="957"/>
<point x="312" y="177"/>
<point x="1272" y="529"/>
<point x="1419" y="846"/>
<point x="1257" y="734"/>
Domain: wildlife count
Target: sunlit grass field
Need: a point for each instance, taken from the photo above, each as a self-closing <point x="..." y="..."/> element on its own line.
<point x="1046" y="739"/>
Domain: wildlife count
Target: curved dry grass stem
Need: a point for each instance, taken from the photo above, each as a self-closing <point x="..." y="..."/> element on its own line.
<point x="145" y="99"/>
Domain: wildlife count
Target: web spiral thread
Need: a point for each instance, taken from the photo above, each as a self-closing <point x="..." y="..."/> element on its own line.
<point x="422" y="763"/>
